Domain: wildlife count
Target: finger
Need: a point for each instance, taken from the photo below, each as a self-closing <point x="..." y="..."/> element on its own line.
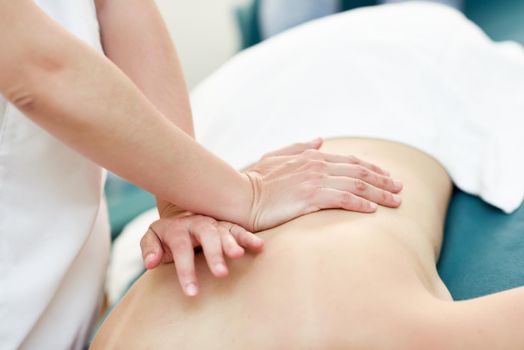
<point x="362" y="189"/>
<point x="247" y="239"/>
<point x="296" y="148"/>
<point x="329" y="198"/>
<point x="211" y="242"/>
<point x="229" y="244"/>
<point x="338" y="158"/>
<point x="364" y="174"/>
<point x="152" y="251"/>
<point x="180" y="245"/>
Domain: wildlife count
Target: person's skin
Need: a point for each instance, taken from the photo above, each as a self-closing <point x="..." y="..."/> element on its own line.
<point x="329" y="280"/>
<point x="135" y="39"/>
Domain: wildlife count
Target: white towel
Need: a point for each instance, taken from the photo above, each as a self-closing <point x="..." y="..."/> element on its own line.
<point x="417" y="73"/>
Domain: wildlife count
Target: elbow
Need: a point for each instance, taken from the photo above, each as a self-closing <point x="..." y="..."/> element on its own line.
<point x="20" y="91"/>
<point x="24" y="101"/>
<point x="30" y="84"/>
<point x="23" y="95"/>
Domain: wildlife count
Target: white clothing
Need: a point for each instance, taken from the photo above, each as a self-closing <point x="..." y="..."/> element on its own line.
<point x="417" y="73"/>
<point x="54" y="234"/>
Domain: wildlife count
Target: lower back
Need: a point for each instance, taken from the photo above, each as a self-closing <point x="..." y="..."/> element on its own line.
<point x="318" y="276"/>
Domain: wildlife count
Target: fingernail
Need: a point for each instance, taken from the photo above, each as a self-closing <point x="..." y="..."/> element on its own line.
<point x="149" y="259"/>
<point x="220" y="269"/>
<point x="373" y="206"/>
<point x="191" y="289"/>
<point x="396" y="199"/>
<point x="397" y="184"/>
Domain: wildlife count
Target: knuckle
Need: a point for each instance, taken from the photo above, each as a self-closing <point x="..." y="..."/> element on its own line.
<point x="145" y="242"/>
<point x="315" y="165"/>
<point x="229" y="241"/>
<point x="360" y="186"/>
<point x="179" y="244"/>
<point x="346" y="199"/>
<point x="352" y="159"/>
<point x="200" y="228"/>
<point x="363" y="173"/>
<point x="289" y="163"/>
<point x="232" y="229"/>
<point x="215" y="258"/>
<point x="303" y="158"/>
<point x="223" y="226"/>
<point x="309" y="191"/>
<point x="363" y="205"/>
<point x="351" y="201"/>
<point x="310" y="152"/>
<point x="315" y="176"/>
<point x="178" y="224"/>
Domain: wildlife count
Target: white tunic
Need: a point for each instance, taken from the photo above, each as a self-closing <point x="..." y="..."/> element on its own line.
<point x="54" y="239"/>
<point x="417" y="73"/>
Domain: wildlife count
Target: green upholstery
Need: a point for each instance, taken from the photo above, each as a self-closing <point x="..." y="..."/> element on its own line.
<point x="125" y="202"/>
<point x="483" y="250"/>
<point x="247" y="20"/>
<point x="501" y="19"/>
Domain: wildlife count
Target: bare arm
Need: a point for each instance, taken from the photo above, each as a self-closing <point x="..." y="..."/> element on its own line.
<point x="135" y="38"/>
<point x="87" y="102"/>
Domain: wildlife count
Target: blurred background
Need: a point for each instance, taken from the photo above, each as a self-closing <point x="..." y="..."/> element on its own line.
<point x="204" y="31"/>
<point x="208" y="32"/>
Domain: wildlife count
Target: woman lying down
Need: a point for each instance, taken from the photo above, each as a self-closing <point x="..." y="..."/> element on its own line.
<point x="415" y="88"/>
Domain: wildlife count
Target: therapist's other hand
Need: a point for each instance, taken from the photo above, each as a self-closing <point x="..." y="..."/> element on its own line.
<point x="174" y="236"/>
<point x="300" y="179"/>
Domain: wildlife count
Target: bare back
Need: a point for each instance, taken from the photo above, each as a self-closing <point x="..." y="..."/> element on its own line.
<point x="330" y="279"/>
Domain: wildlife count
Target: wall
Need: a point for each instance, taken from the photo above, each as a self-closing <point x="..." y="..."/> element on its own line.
<point x="204" y="32"/>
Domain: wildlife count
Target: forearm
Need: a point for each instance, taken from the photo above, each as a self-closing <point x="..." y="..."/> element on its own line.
<point x="135" y="38"/>
<point x="80" y="97"/>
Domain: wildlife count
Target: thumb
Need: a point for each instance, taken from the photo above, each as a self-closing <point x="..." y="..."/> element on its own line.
<point x="152" y="250"/>
<point x="316" y="143"/>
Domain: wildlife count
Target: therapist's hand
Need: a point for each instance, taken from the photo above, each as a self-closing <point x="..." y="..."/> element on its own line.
<point x="174" y="236"/>
<point x="299" y="179"/>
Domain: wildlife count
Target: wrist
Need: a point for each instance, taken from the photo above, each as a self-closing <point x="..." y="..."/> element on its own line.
<point x="166" y="209"/>
<point x="243" y="205"/>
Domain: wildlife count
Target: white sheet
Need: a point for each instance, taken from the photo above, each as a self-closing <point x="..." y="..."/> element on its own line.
<point x="417" y="73"/>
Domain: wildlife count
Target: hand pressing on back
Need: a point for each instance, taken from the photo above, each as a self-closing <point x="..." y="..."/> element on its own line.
<point x="174" y="236"/>
<point x="290" y="182"/>
<point x="299" y="179"/>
